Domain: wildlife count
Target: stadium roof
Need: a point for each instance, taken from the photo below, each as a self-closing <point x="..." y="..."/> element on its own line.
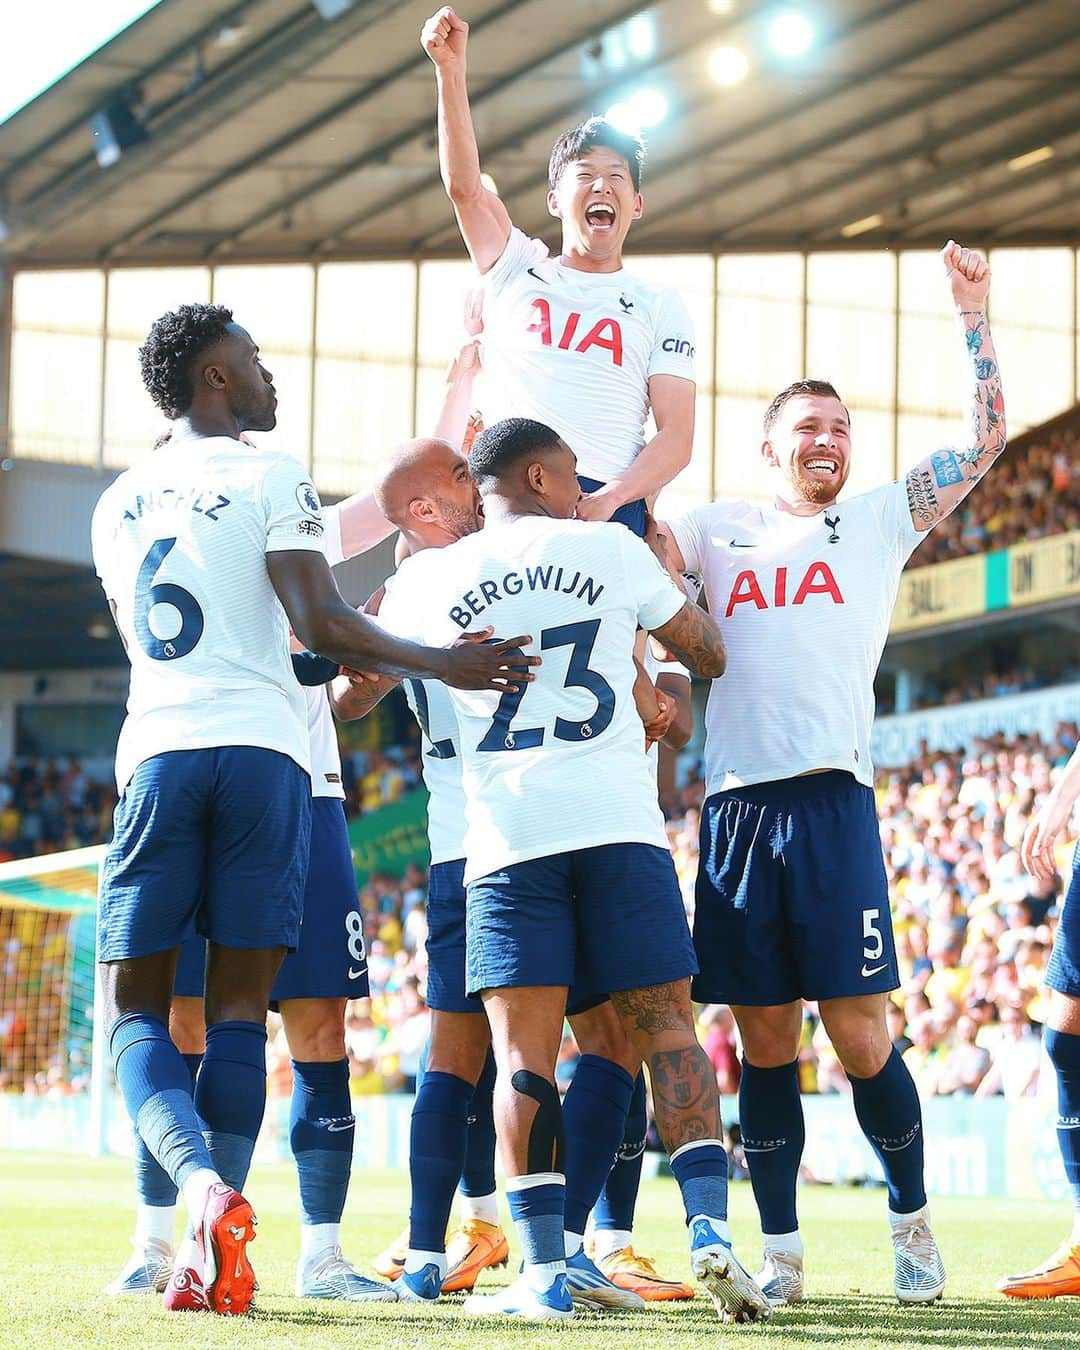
<point x="272" y="132"/>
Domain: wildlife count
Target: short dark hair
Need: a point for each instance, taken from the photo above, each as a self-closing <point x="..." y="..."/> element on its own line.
<point x="502" y="445"/>
<point x="170" y="348"/>
<point x="572" y="145"/>
<point x="821" y="388"/>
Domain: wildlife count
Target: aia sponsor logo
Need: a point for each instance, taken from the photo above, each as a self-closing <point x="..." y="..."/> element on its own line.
<point x="749" y="588"/>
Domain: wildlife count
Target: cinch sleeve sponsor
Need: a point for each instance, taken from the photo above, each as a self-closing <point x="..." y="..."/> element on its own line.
<point x="294" y="516"/>
<point x="520" y="252"/>
<point x="673" y="341"/>
<point x="655" y="595"/>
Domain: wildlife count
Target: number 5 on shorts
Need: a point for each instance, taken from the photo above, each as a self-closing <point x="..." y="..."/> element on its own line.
<point x="873" y="942"/>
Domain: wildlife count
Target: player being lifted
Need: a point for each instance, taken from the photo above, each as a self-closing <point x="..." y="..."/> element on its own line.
<point x="1059" y="1275"/>
<point x="203" y="549"/>
<point x="792" y="901"/>
<point x="565" y="844"/>
<point x="575" y="341"/>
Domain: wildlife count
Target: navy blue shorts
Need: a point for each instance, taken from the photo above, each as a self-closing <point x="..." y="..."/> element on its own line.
<point x="602" y="919"/>
<point x="1063" y="972"/>
<point x="329" y="960"/>
<point x="632" y="515"/>
<point x="446" y="940"/>
<point x="792" y="900"/>
<point x="215" y="840"/>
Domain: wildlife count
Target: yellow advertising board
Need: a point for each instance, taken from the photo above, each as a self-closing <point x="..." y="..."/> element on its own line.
<point x="1044" y="570"/>
<point x="940" y="594"/>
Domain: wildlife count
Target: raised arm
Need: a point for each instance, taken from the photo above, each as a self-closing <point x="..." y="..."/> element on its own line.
<point x="694" y="638"/>
<point x="1050" y="820"/>
<point x="660" y="460"/>
<point x="481" y="216"/>
<point x="324" y="623"/>
<point x="937" y="485"/>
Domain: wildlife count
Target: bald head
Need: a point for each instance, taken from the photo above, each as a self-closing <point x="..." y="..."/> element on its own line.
<point x="427" y="492"/>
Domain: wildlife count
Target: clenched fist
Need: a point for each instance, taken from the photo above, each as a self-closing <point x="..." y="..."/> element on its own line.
<point x="444" y="38"/>
<point x="969" y="276"/>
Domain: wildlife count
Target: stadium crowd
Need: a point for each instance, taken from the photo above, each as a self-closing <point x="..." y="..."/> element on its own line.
<point x="1031" y="494"/>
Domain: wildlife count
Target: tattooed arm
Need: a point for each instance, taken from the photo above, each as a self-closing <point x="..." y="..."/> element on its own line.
<point x="694" y="638"/>
<point x="940" y="483"/>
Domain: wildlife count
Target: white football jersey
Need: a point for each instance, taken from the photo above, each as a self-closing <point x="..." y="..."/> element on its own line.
<point x="180" y="543"/>
<point x="575" y="350"/>
<point x="441" y="766"/>
<point x="561" y="764"/>
<point x="322" y="738"/>
<point x="804" y="603"/>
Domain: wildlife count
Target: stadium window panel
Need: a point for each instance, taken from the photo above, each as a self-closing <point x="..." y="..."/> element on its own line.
<point x="933" y="363"/>
<point x="137" y="297"/>
<point x="691" y="274"/>
<point x="851" y="342"/>
<point x="1032" y="311"/>
<point x="274" y="303"/>
<point x="56" y="366"/>
<point x="443" y="289"/>
<point x="759" y="325"/>
<point x="363" y="370"/>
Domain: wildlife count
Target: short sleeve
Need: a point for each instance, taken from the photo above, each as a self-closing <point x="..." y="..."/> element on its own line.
<point x="656" y="597"/>
<point x="673" y="340"/>
<point x="690" y="532"/>
<point x="332" y="535"/>
<point x="98" y="543"/>
<point x="294" y="517"/>
<point x="520" y="253"/>
<point x="890" y="505"/>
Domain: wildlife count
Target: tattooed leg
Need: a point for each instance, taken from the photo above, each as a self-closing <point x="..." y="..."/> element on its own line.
<point x="659" y="1022"/>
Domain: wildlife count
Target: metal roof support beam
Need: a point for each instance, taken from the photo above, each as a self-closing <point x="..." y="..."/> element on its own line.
<point x="556" y="116"/>
<point x="293" y="46"/>
<point x="1053" y="168"/>
<point x="1031" y="98"/>
<point x="7" y="322"/>
<point x="379" y="153"/>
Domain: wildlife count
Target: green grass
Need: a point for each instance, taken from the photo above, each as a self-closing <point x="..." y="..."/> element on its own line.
<point x="65" y="1223"/>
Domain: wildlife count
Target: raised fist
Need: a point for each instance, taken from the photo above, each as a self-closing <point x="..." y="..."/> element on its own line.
<point x="969" y="275"/>
<point x="444" y="38"/>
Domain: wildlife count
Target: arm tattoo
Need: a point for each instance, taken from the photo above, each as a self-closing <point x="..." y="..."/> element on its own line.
<point x="696" y="640"/>
<point x="922" y="499"/>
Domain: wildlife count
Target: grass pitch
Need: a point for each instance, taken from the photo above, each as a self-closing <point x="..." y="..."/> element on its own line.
<point x="66" y="1223"/>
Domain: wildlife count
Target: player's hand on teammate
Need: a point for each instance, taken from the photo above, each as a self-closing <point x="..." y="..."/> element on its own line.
<point x="444" y="38"/>
<point x="969" y="275"/>
<point x="658" y="728"/>
<point x="1043" y="832"/>
<point x="599" y="505"/>
<point x="478" y="661"/>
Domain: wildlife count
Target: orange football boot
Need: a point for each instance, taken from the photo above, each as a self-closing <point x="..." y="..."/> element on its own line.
<point x="473" y="1247"/>
<point x="390" y="1262"/>
<point x="1055" y="1278"/>
<point x="228" y="1225"/>
<point x="629" y="1270"/>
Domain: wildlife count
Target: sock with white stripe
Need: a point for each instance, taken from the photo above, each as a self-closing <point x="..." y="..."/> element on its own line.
<point x="1064" y="1052"/>
<point x="537" y="1204"/>
<point x="701" y="1169"/>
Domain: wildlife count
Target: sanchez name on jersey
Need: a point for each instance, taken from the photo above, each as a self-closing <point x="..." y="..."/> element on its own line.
<point x="180" y="543"/>
<point x="804" y="603"/>
<point x="561" y="764"/>
<point x="575" y="350"/>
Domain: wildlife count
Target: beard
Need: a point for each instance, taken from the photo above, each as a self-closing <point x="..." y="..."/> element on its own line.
<point x="814" y="490"/>
<point x="460" y="520"/>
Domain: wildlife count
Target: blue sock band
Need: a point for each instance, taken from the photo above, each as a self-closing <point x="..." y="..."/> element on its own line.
<point x="594" y="1118"/>
<point x="437" y="1138"/>
<point x="702" y="1173"/>
<point x="321" y="1130"/>
<point x="773" y="1136"/>
<point x="618" y="1200"/>
<point x="538" y="1214"/>
<point x="1064" y="1052"/>
<point x="153" y="1185"/>
<point x="478" y="1174"/>
<point x="887" y="1108"/>
<point x="156" y="1088"/>
<point x="230" y="1095"/>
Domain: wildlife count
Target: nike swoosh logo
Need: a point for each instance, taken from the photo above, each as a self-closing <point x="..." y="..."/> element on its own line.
<point x="537" y="275"/>
<point x="340" y="1126"/>
<point x="735" y="545"/>
<point x="867" y="973"/>
<point x="355" y="974"/>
